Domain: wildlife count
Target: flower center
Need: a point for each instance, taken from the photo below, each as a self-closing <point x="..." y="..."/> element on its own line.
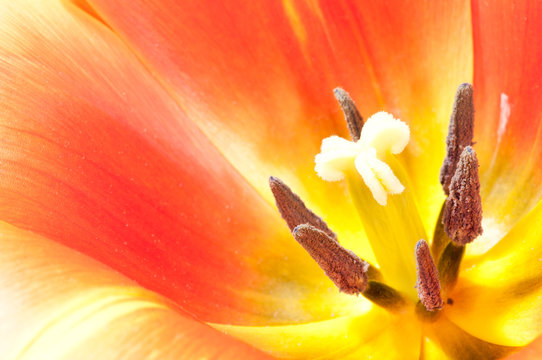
<point x="380" y="189"/>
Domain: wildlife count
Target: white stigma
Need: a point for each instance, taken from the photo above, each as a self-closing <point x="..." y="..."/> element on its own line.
<point x="380" y="134"/>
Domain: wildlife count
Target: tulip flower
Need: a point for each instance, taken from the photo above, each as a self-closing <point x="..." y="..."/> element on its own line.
<point x="137" y="143"/>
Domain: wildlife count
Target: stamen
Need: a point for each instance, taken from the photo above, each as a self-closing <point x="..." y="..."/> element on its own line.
<point x="384" y="296"/>
<point x="440" y="238"/>
<point x="347" y="271"/>
<point x="460" y="133"/>
<point x="354" y="121"/>
<point x="463" y="212"/>
<point x="293" y="210"/>
<point x="448" y="265"/>
<point x="428" y="283"/>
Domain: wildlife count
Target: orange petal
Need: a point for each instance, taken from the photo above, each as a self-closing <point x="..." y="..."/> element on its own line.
<point x="56" y="303"/>
<point x="419" y="56"/>
<point x="95" y="155"/>
<point x="261" y="73"/>
<point x="508" y="89"/>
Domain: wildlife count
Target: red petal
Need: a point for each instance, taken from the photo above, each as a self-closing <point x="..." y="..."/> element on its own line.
<point x="97" y="156"/>
<point x="261" y="73"/>
<point x="56" y="303"/>
<point x="508" y="89"/>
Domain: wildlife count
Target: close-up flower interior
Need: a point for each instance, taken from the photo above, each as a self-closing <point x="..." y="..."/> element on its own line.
<point x="290" y="179"/>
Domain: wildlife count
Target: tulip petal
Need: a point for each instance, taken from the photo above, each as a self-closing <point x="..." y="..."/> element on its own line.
<point x="261" y="73"/>
<point x="504" y="287"/>
<point x="97" y="156"/>
<point x="447" y="340"/>
<point x="508" y="89"/>
<point x="531" y="352"/>
<point x="375" y="334"/>
<point x="59" y="304"/>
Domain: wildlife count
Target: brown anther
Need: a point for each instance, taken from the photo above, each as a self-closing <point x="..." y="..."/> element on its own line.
<point x="347" y="271"/>
<point x="293" y="210"/>
<point x="460" y="133"/>
<point x="354" y="121"/>
<point x="428" y="282"/>
<point x="462" y="217"/>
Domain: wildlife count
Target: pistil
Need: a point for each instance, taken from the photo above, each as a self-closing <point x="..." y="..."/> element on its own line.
<point x="392" y="230"/>
<point x="378" y="185"/>
<point x="381" y="137"/>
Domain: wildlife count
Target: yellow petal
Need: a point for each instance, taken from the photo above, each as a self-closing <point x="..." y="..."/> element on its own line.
<point x="374" y="334"/>
<point x="431" y="350"/>
<point x="504" y="287"/>
<point x="449" y="340"/>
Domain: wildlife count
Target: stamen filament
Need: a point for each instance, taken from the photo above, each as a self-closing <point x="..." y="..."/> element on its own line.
<point x="440" y="238"/>
<point x="448" y="265"/>
<point x="384" y="296"/>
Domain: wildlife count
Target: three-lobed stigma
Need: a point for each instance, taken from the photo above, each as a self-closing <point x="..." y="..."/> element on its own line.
<point x="380" y="136"/>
